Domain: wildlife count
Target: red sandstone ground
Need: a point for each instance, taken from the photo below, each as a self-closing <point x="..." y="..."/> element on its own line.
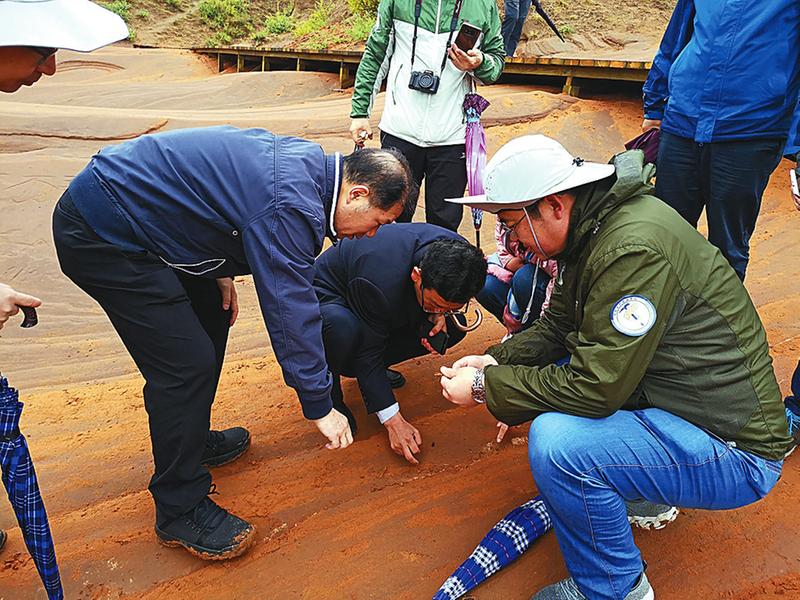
<point x="359" y="523"/>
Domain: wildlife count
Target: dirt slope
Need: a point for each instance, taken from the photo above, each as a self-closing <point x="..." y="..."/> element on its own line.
<point x="357" y="524"/>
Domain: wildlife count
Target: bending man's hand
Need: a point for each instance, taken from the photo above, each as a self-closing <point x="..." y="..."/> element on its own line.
<point x="11" y="300"/>
<point x="439" y="323"/>
<point x="465" y="61"/>
<point x="457" y="385"/>
<point x="404" y="438"/>
<point x="335" y="427"/>
<point x="649" y="124"/>
<point x="360" y="131"/>
<point x="230" y="299"/>
<point x="477" y="362"/>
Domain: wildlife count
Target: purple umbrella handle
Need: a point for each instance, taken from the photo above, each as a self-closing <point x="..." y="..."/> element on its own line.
<point x="31" y="318"/>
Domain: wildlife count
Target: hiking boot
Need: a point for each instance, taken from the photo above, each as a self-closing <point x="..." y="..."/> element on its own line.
<point x="396" y="378"/>
<point x="3" y="538"/>
<point x="793" y="417"/>
<point x="225" y="446"/>
<point x="567" y="590"/>
<point x="209" y="532"/>
<point x="649" y="515"/>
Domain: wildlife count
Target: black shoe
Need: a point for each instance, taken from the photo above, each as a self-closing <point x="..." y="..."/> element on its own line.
<point x="225" y="446"/>
<point x="396" y="378"/>
<point x="209" y="532"/>
<point x="3" y="538"/>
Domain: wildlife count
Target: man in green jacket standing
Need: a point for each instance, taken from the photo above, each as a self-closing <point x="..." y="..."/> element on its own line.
<point x="427" y="78"/>
<point x="669" y="394"/>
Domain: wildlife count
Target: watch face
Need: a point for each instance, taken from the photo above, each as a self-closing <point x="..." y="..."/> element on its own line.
<point x="633" y="315"/>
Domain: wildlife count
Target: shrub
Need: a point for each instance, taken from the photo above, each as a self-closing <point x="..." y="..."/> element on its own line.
<point x="119" y="7"/>
<point x="229" y="18"/>
<point x="174" y="4"/>
<point x="316" y="20"/>
<point x="278" y="23"/>
<point x="143" y="14"/>
<point x="363" y="7"/>
<point x="360" y="27"/>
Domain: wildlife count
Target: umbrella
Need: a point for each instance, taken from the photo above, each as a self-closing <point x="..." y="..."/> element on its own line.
<point x="474" y="105"/>
<point x="540" y="11"/>
<point x="23" y="491"/>
<point x="502" y="545"/>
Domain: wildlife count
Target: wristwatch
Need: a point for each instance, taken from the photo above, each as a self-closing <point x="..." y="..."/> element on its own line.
<point x="478" y="389"/>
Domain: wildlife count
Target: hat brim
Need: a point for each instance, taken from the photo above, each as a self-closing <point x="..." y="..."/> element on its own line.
<point x="67" y="24"/>
<point x="586" y="173"/>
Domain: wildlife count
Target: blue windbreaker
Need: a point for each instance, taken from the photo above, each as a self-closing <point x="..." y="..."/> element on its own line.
<point x="728" y="70"/>
<point x="221" y="201"/>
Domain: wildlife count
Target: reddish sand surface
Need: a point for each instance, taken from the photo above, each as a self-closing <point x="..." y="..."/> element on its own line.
<point x="359" y="523"/>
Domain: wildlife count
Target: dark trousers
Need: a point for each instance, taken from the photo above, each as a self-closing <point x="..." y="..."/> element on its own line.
<point x="444" y="169"/>
<point x="516" y="11"/>
<point x="175" y="329"/>
<point x="494" y="295"/>
<point x="726" y="178"/>
<point x="354" y="349"/>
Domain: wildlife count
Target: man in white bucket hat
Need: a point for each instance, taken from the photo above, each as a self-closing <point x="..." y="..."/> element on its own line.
<point x="668" y="398"/>
<point x="31" y="32"/>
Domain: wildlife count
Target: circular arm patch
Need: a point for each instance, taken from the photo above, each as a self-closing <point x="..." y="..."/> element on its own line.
<point x="633" y="315"/>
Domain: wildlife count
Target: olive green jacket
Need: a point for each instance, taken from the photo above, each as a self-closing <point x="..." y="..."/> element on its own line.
<point x="705" y="356"/>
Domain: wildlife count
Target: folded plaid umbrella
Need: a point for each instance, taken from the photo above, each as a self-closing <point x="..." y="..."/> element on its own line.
<point x="23" y="491"/>
<point x="502" y="545"/>
<point x="474" y="105"/>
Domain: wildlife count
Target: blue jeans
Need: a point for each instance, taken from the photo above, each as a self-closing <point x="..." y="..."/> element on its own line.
<point x="645" y="454"/>
<point x="726" y="178"/>
<point x="515" y="14"/>
<point x="494" y="295"/>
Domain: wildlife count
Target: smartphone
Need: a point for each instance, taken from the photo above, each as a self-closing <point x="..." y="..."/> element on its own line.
<point x="793" y="178"/>
<point x="468" y="36"/>
<point x="439" y="341"/>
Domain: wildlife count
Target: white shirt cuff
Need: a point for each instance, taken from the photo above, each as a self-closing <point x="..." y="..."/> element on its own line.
<point x="387" y="413"/>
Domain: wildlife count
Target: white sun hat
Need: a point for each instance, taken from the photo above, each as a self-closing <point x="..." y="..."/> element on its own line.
<point x="527" y="169"/>
<point x="70" y="24"/>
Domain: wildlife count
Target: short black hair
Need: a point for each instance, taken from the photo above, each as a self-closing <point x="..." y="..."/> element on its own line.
<point x="454" y="268"/>
<point x="387" y="174"/>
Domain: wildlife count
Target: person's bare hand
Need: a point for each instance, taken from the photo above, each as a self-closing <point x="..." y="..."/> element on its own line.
<point x="465" y="61"/>
<point x="439" y="323"/>
<point x="404" y="438"/>
<point x="475" y="361"/>
<point x="502" y="430"/>
<point x="335" y="427"/>
<point x="230" y="299"/>
<point x="515" y="264"/>
<point x="11" y="300"/>
<point x="360" y="131"/>
<point x="457" y="385"/>
<point x="649" y="124"/>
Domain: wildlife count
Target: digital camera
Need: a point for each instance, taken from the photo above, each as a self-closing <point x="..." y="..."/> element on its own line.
<point x="424" y="81"/>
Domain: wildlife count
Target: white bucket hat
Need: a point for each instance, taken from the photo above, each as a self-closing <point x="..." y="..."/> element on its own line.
<point x="70" y="24"/>
<point x="527" y="169"/>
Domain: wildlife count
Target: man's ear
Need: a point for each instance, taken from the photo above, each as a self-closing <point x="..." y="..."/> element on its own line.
<point x="357" y="191"/>
<point x="416" y="275"/>
<point x="556" y="204"/>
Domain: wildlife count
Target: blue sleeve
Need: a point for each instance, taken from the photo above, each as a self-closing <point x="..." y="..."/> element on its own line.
<point x="281" y="249"/>
<point x="792" y="149"/>
<point x="677" y="35"/>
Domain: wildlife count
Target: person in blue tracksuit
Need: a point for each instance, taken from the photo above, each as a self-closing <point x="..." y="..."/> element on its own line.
<point x="376" y="295"/>
<point x="724" y="90"/>
<point x="155" y="229"/>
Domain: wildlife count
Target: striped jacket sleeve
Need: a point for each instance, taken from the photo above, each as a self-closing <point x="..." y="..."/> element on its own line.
<point x="494" y="54"/>
<point x="374" y="63"/>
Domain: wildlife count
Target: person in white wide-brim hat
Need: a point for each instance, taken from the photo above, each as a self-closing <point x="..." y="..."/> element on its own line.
<point x="668" y="397"/>
<point x="32" y="31"/>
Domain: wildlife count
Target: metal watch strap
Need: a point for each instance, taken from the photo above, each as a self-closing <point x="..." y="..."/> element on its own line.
<point x="478" y="389"/>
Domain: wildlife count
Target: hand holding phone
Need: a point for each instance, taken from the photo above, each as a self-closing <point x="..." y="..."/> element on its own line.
<point x="468" y="36"/>
<point x="439" y="341"/>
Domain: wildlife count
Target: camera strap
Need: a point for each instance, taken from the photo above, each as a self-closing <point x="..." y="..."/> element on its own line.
<point x="453" y="25"/>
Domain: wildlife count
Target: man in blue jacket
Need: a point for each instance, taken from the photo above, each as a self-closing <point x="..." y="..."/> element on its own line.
<point x="155" y="229"/>
<point x="374" y="309"/>
<point x="724" y="90"/>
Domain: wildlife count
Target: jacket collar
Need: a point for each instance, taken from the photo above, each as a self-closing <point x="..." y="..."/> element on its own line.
<point x="334" y="170"/>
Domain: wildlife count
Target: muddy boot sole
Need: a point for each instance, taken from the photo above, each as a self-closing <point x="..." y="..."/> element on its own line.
<point x="243" y="543"/>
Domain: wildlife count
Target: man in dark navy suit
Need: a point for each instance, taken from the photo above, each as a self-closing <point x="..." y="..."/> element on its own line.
<point x="376" y="295"/>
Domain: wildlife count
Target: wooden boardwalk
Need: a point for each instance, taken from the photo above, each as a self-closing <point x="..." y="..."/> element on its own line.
<point x="570" y="70"/>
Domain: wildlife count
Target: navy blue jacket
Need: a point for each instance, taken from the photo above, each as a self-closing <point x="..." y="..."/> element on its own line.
<point x="728" y="70"/>
<point x="222" y="201"/>
<point x="372" y="277"/>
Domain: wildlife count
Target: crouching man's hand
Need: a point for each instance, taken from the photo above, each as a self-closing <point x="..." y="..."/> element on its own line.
<point x="334" y="426"/>
<point x="11" y="300"/>
<point x="404" y="438"/>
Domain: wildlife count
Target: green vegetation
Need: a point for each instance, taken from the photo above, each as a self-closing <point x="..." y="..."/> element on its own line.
<point x="119" y="7"/>
<point x="364" y="7"/>
<point x="278" y="23"/>
<point x="316" y="20"/>
<point x="361" y="25"/>
<point x="566" y="29"/>
<point x="173" y="4"/>
<point x="229" y="19"/>
<point x="143" y="13"/>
